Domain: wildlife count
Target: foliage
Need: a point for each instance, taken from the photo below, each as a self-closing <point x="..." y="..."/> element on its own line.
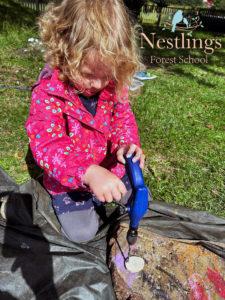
<point x="192" y="3"/>
<point x="219" y="4"/>
<point x="14" y="14"/>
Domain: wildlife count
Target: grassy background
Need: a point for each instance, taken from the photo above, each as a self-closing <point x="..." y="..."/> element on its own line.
<point x="180" y="116"/>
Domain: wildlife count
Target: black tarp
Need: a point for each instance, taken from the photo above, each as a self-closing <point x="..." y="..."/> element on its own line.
<point x="38" y="263"/>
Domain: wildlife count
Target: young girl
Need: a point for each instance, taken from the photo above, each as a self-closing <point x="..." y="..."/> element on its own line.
<point x="81" y="125"/>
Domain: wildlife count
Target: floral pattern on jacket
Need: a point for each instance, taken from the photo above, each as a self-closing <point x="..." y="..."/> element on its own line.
<point x="66" y="139"/>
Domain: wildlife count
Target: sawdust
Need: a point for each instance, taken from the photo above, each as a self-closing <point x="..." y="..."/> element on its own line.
<point x="134" y="264"/>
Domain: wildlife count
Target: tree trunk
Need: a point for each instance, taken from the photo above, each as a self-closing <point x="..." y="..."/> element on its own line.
<point x="37" y="5"/>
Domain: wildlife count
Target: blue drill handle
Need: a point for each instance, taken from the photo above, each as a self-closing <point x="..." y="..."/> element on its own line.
<point x="134" y="172"/>
<point x="138" y="207"/>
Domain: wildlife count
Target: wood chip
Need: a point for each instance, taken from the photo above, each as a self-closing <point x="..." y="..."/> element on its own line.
<point x="134" y="264"/>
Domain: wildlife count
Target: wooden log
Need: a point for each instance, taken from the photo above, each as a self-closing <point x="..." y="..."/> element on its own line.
<point x="174" y="269"/>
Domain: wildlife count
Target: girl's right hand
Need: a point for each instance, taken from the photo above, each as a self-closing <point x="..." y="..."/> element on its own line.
<point x="104" y="184"/>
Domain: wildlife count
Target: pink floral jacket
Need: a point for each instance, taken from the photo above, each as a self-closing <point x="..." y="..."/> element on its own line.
<point x="66" y="139"/>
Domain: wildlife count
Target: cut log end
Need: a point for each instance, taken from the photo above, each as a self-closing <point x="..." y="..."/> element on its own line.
<point x="172" y="269"/>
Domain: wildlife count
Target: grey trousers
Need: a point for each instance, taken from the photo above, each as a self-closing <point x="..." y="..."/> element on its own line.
<point x="80" y="223"/>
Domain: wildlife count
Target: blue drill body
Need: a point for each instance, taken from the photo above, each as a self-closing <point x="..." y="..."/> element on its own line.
<point x="138" y="206"/>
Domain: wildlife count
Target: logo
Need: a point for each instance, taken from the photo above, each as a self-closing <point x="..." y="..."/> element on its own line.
<point x="189" y="50"/>
<point x="181" y="22"/>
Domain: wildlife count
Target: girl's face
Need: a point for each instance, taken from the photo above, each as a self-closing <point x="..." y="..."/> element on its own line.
<point x="93" y="76"/>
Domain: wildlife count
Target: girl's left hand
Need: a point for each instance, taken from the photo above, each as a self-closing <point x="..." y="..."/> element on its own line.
<point x="129" y="150"/>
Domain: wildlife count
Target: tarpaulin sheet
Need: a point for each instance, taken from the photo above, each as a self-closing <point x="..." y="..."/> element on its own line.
<point x="37" y="262"/>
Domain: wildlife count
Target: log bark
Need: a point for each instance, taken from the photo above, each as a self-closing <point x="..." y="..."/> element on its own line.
<point x="174" y="269"/>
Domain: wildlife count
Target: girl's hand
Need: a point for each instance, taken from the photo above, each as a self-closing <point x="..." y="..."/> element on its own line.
<point x="104" y="184"/>
<point x="129" y="150"/>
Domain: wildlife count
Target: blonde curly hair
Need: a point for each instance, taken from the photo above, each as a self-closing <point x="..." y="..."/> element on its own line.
<point x="70" y="29"/>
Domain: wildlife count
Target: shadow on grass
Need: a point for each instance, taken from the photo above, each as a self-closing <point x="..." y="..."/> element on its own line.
<point x="217" y="58"/>
<point x="13" y="13"/>
<point x="214" y="72"/>
<point x="183" y="73"/>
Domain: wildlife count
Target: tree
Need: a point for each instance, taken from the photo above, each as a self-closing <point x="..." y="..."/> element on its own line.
<point x="220" y="4"/>
<point x="135" y="6"/>
<point x="164" y="3"/>
<point x="191" y="3"/>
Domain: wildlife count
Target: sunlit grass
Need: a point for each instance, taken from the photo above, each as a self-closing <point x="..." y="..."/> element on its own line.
<point x="180" y="116"/>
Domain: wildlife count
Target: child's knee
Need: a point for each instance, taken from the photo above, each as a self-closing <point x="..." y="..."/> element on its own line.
<point x="82" y="235"/>
<point x="82" y="228"/>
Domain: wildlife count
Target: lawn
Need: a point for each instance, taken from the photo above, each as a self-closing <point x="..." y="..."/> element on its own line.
<point x="180" y="116"/>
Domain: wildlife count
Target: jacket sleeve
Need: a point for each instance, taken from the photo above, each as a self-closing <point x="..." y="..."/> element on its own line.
<point x="52" y="148"/>
<point x="124" y="129"/>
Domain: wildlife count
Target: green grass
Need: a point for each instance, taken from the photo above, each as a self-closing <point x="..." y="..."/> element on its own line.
<point x="183" y="136"/>
<point x="180" y="116"/>
<point x="181" y="120"/>
<point x="16" y="68"/>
